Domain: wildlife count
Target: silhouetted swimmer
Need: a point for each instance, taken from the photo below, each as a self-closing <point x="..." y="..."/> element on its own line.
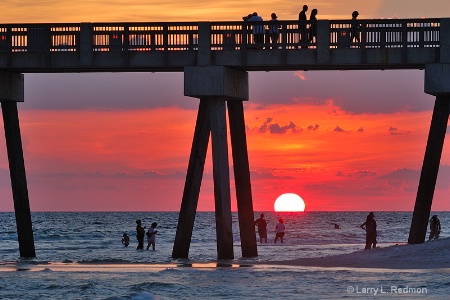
<point x="125" y="240"/>
<point x="313" y="26"/>
<point x="336" y="225"/>
<point x="279" y="228"/>
<point x="370" y="226"/>
<point x="140" y="234"/>
<point x="261" y="223"/>
<point x="302" y="26"/>
<point x="435" y="227"/>
<point x="151" y="235"/>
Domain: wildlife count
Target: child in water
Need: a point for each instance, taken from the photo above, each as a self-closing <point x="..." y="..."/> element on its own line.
<point x="279" y="228"/>
<point x="125" y="240"/>
<point x="151" y="233"/>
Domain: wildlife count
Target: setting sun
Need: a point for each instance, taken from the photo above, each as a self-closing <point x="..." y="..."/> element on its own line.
<point x="289" y="202"/>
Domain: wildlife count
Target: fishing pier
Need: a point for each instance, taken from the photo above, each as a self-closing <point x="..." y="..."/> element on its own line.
<point x="216" y="58"/>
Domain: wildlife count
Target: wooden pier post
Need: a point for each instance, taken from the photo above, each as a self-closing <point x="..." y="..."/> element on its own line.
<point x="11" y="92"/>
<point x="430" y="169"/>
<point x="215" y="86"/>
<point x="437" y="83"/>
<point x="193" y="182"/>
<point x="242" y="178"/>
<point x="221" y="175"/>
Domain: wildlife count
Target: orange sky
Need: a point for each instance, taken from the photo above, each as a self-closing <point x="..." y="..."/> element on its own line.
<point x="341" y="140"/>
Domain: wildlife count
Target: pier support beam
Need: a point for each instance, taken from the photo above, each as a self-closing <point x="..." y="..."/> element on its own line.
<point x="11" y="92"/>
<point x="437" y="82"/>
<point x="216" y="87"/>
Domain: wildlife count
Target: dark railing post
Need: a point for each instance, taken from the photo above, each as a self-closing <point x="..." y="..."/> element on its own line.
<point x="86" y="46"/>
<point x="204" y="44"/>
<point x="444" y="40"/>
<point x="166" y="43"/>
<point x="126" y="38"/>
<point x="284" y="35"/>
<point x="323" y="42"/>
<point x="363" y="36"/>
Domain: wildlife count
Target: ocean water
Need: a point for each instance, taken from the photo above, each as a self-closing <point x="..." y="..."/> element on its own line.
<point x="80" y="256"/>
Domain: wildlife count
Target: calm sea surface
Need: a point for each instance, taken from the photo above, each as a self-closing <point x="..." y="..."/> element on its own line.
<point x="80" y="256"/>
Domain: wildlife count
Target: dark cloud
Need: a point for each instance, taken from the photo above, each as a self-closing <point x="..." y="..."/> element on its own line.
<point x="354" y="91"/>
<point x="313" y="128"/>
<point x="394" y="131"/>
<point x="360" y="129"/>
<point x="412" y="177"/>
<point x="402" y="174"/>
<point x="105" y="91"/>
<point x="257" y="175"/>
<point x="275" y="128"/>
<point x="343" y="189"/>
<point x="360" y="174"/>
<point x="265" y="125"/>
<point x="359" y="92"/>
<point x="339" y="129"/>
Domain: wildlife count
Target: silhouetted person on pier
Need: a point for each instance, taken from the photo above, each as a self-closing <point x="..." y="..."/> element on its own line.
<point x="313" y="26"/>
<point x="246" y="18"/>
<point x="435" y="227"/>
<point x="274" y="30"/>
<point x="258" y="30"/>
<point x="356" y="28"/>
<point x="140" y="234"/>
<point x="261" y="223"/>
<point x="303" y="33"/>
<point x="279" y="228"/>
<point x="370" y="226"/>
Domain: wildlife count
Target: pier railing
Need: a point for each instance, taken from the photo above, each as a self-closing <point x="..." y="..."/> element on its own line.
<point x="222" y="36"/>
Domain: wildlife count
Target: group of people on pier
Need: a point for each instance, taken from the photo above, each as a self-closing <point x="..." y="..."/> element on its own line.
<point x="306" y="35"/>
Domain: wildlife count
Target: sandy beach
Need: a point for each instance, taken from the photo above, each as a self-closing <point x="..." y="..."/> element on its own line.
<point x="429" y="255"/>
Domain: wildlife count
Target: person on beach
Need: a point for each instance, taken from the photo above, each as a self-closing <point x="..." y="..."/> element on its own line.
<point x="140" y="234"/>
<point x="370" y="226"/>
<point x="279" y="228"/>
<point x="151" y="235"/>
<point x="261" y="223"/>
<point x="125" y="240"/>
<point x="435" y="227"/>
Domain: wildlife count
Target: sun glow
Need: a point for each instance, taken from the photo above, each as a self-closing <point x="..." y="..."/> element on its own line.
<point x="289" y="202"/>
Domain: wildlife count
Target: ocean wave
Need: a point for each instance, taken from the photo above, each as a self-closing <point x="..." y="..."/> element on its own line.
<point x="136" y="296"/>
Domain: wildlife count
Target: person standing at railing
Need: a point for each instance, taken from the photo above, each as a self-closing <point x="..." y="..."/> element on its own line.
<point x="313" y="26"/>
<point x="356" y="28"/>
<point x="274" y="30"/>
<point x="302" y="27"/>
<point x="258" y="30"/>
